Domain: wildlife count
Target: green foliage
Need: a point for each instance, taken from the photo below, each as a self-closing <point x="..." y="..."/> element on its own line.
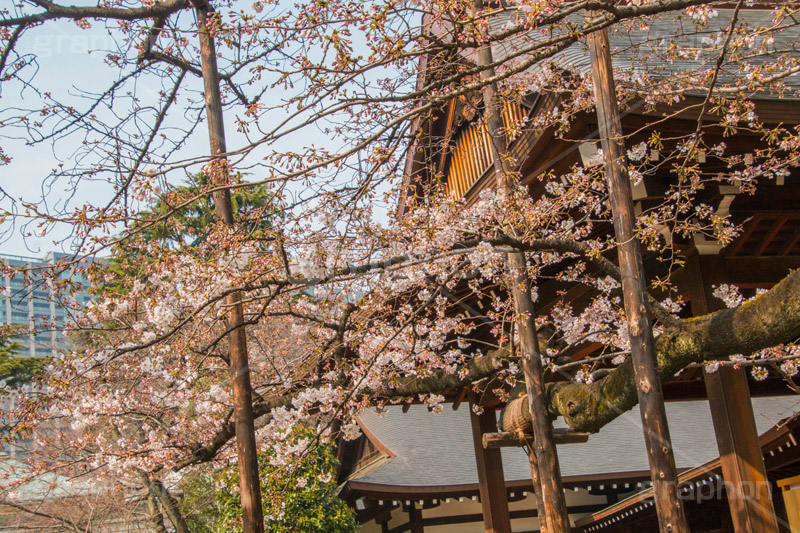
<point x="14" y="370"/>
<point x="198" y="505"/>
<point x="187" y="225"/>
<point x="182" y="218"/>
<point x="296" y="498"/>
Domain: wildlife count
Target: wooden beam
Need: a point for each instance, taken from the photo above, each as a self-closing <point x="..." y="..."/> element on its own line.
<point x="767" y="240"/>
<point x="791" y="243"/>
<point x="768" y="270"/>
<point x="462" y="395"/>
<point x="517" y="439"/>
<point x="492" y="485"/>
<point x="692" y="390"/>
<point x="374" y="511"/>
<point x="743" y="271"/>
<point x="474" y="517"/>
<point x="448" y="134"/>
<point x="740" y="455"/>
<point x="518" y="514"/>
<point x="738" y="243"/>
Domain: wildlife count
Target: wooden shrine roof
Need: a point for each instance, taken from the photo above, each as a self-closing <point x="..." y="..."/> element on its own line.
<point x="781" y="450"/>
<point x="434" y="455"/>
<point x="632" y="43"/>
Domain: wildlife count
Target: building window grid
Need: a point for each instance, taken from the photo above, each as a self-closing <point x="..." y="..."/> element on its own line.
<point x="21" y="307"/>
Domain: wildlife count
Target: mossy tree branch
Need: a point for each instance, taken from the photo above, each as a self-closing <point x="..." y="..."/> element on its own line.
<point x="771" y="319"/>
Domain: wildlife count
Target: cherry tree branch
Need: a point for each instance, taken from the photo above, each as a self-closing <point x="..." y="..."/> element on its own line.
<point x="771" y="319"/>
<point x="10" y="46"/>
<point x="58" y="11"/>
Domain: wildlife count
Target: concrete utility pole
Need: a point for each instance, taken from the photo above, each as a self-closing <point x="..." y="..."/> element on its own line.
<point x="252" y="515"/>
<point x="671" y="517"/>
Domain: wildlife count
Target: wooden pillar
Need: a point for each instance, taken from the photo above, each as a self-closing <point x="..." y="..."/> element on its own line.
<point x="246" y="451"/>
<point x="537" y="487"/>
<point x="494" y="500"/>
<point x="415" y="518"/>
<point x="552" y="491"/>
<point x="671" y="517"/>
<point x="746" y="482"/>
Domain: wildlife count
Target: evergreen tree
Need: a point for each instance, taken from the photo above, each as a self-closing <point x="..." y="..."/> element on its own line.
<point x="300" y="497"/>
<point x="16" y="370"/>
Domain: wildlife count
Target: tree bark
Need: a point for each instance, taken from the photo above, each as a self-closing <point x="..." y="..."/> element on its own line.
<point x="551" y="490"/>
<point x="250" y="489"/>
<point x="171" y="507"/>
<point x="156" y="518"/>
<point x="771" y="319"/>
<point x="663" y="474"/>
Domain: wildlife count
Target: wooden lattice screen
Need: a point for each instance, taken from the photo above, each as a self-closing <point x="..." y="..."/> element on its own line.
<point x="471" y="156"/>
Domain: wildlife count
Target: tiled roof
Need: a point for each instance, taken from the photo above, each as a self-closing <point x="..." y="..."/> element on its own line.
<point x="632" y="46"/>
<point x="437" y="449"/>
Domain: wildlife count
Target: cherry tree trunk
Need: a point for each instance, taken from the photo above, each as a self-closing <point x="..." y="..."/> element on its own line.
<point x="252" y="515"/>
<point x="671" y="516"/>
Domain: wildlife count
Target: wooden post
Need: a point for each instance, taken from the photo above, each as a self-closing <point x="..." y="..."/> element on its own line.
<point x="415" y="519"/>
<point x="492" y="484"/>
<point x="746" y="482"/>
<point x="550" y="485"/>
<point x="537" y="487"/>
<point x="671" y="517"/>
<point x="250" y="489"/>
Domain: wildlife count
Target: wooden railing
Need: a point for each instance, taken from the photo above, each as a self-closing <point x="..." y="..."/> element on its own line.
<point x="471" y="155"/>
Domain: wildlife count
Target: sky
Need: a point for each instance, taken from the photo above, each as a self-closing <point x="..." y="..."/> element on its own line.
<point x="70" y="59"/>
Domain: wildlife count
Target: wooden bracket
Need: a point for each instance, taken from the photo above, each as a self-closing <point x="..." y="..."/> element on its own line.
<point x="462" y="395"/>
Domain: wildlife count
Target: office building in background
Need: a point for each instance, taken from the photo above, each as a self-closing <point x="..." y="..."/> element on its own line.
<point x="32" y="301"/>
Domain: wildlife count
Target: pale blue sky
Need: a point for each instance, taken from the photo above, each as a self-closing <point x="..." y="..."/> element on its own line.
<point x="69" y="58"/>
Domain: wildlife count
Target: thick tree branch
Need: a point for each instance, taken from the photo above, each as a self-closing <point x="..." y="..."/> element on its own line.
<point x="171" y="507"/>
<point x="56" y="11"/>
<point x="771" y="319"/>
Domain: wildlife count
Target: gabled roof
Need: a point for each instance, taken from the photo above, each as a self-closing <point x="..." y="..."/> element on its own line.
<point x="437" y="450"/>
<point x="18" y="487"/>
